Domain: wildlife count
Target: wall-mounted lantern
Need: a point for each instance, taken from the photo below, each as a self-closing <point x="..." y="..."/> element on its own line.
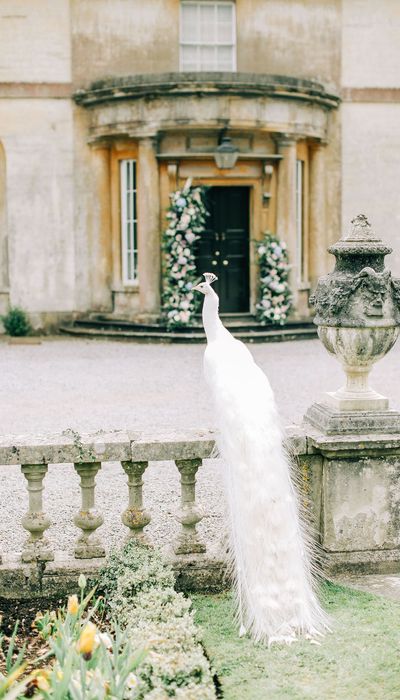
<point x="226" y="154"/>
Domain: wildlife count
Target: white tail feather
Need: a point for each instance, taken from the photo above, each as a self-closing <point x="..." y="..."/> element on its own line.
<point x="270" y="550"/>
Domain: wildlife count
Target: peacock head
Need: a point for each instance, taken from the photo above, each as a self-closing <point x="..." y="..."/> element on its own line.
<point x="205" y="287"/>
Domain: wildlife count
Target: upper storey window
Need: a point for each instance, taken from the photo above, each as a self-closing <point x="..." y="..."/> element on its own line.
<point x="208" y="36"/>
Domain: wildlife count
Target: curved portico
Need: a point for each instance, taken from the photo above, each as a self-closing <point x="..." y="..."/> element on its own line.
<point x="169" y="126"/>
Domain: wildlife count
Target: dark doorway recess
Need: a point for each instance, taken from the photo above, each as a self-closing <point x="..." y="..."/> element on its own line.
<point x="224" y="246"/>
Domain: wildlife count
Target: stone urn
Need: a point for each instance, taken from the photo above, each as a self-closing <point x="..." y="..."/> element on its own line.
<point x="358" y="318"/>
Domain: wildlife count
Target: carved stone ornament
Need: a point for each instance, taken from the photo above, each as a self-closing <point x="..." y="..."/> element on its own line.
<point x="358" y="317"/>
<point x="360" y="292"/>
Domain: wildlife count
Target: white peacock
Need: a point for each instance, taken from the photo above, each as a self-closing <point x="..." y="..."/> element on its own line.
<point x="269" y="550"/>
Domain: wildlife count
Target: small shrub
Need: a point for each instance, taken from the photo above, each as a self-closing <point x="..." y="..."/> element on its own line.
<point x="16" y="322"/>
<point x="139" y="589"/>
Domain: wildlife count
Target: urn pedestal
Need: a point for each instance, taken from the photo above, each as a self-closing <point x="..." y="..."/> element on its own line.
<point x="358" y="319"/>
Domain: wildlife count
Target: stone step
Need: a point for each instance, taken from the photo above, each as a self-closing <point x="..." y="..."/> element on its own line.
<point x="144" y="335"/>
<point x="236" y="323"/>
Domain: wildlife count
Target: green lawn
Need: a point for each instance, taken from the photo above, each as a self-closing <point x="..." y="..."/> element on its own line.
<point x="360" y="659"/>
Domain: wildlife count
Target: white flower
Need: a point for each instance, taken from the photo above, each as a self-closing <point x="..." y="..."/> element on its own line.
<point x="131" y="681"/>
<point x="190" y="237"/>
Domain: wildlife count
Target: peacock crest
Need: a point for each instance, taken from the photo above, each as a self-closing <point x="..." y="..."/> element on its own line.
<point x="210" y="277"/>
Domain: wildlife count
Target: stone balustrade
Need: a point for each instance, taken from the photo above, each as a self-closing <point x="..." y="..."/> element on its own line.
<point x="88" y="453"/>
<point x="339" y="477"/>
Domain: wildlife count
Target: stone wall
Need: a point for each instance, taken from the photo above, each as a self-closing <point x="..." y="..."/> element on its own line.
<point x="371" y="116"/>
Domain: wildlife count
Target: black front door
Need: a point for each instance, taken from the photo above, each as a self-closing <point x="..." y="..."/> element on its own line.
<point x="224" y="246"/>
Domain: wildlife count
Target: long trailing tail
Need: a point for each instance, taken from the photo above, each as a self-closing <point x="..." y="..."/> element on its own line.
<point x="270" y="553"/>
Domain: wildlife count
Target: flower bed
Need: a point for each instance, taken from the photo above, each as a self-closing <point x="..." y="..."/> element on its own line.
<point x="137" y="642"/>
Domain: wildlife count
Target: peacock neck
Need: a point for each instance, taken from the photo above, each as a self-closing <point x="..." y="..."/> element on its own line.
<point x="211" y="321"/>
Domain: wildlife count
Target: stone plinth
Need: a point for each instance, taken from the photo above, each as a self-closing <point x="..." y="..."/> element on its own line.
<point x="360" y="509"/>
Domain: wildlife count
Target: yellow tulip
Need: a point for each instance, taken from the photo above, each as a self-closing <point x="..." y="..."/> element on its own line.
<point x="42" y="682"/>
<point x="86" y="641"/>
<point x="73" y="604"/>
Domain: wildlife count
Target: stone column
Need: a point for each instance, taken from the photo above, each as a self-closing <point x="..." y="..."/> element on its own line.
<point x="135" y="517"/>
<point x="190" y="513"/>
<point x="318" y="242"/>
<point x="4" y="275"/>
<point x="88" y="519"/>
<point x="286" y="206"/>
<point x="36" y="548"/>
<point x="149" y="240"/>
<point x="100" y="233"/>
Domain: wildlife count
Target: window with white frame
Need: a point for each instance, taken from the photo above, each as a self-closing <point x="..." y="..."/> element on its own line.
<point x="128" y="221"/>
<point x="207" y="36"/>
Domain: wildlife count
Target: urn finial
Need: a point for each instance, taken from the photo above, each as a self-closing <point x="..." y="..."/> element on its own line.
<point x="358" y="319"/>
<point x="360" y="230"/>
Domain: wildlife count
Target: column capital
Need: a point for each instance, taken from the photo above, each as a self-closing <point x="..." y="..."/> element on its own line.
<point x="284" y="140"/>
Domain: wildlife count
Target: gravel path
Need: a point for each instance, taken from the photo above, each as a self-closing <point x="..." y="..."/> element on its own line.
<point x="88" y="385"/>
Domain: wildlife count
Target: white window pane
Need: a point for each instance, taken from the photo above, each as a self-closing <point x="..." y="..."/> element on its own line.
<point x="225" y="58"/>
<point x="189" y="58"/>
<point x="190" y="25"/>
<point x="208" y="58"/>
<point x="224" y="33"/>
<point x="207" y="23"/>
<point x="224" y="13"/>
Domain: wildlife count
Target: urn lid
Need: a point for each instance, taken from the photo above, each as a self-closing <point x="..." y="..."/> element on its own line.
<point x="361" y="239"/>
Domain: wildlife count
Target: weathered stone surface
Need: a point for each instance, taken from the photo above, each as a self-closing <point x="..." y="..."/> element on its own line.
<point x="336" y="422"/>
<point x="387" y="585"/>
<point x="360" y="292"/>
<point x="364" y="562"/>
<point x="310" y="484"/>
<point x="352" y="446"/>
<point x="361" y="504"/>
<point x="66" y="447"/>
<point x="195" y="572"/>
<point x="358" y="314"/>
<point x="243" y="84"/>
<point x="172" y="445"/>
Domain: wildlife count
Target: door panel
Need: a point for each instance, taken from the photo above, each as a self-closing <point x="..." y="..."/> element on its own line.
<point x="224" y="246"/>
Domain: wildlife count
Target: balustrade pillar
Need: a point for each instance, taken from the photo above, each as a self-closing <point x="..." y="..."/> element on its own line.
<point x="88" y="519"/>
<point x="37" y="547"/>
<point x="135" y="517"/>
<point x="190" y="513"/>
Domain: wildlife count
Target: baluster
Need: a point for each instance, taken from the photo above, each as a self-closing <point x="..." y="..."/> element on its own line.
<point x="88" y="519"/>
<point x="189" y="513"/>
<point x="37" y="547"/>
<point x="135" y="517"/>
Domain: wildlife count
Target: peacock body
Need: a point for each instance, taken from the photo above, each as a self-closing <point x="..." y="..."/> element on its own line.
<point x="269" y="550"/>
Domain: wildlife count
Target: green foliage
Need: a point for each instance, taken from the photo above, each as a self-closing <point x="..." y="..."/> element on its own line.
<point x="186" y="216"/>
<point x="84" y="663"/>
<point x="133" y="569"/>
<point x="14" y="666"/>
<point x="359" y="659"/>
<point x="275" y="295"/>
<point x="16" y="322"/>
<point x="139" y="590"/>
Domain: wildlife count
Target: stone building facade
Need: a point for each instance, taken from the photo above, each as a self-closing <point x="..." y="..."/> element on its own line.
<point x="107" y="106"/>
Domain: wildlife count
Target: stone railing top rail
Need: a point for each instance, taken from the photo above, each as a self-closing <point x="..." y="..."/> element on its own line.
<point x="114" y="446"/>
<point x="139" y="446"/>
